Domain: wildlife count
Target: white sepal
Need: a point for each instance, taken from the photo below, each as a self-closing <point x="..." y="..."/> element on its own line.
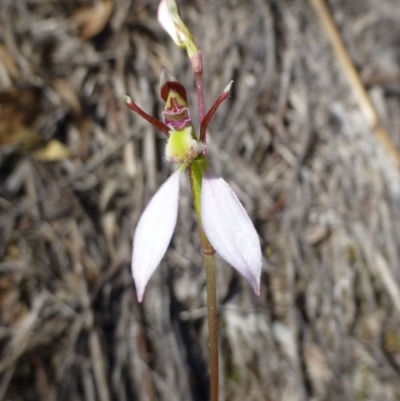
<point x="229" y="228"/>
<point x="154" y="231"/>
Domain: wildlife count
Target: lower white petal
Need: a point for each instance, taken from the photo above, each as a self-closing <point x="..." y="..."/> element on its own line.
<point x="229" y="228"/>
<point x="154" y="231"/>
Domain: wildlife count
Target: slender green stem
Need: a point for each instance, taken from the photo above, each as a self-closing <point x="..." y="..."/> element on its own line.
<point x="209" y="264"/>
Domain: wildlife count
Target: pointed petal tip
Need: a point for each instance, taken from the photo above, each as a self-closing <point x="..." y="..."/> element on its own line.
<point x="252" y="278"/>
<point x="228" y="87"/>
<point x="257" y="289"/>
<point x="166" y="76"/>
<point x="139" y="294"/>
<point x="167" y="83"/>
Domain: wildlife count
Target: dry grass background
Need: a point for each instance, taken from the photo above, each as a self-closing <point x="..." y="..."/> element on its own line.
<point x="322" y="191"/>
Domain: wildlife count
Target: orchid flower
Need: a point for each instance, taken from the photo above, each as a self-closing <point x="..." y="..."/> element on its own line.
<point x="224" y="225"/>
<point x="219" y="212"/>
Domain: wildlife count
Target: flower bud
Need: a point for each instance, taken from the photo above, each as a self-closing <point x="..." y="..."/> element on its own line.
<point x="168" y="17"/>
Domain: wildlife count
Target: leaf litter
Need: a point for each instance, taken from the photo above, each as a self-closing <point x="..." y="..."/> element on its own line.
<point x="292" y="142"/>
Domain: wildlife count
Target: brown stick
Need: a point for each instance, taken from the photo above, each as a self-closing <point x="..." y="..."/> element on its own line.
<point x="356" y="85"/>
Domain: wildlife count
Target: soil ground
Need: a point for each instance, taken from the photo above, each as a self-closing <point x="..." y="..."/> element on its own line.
<point x="77" y="168"/>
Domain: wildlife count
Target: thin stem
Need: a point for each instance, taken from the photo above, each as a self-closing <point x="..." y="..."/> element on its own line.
<point x="200" y="95"/>
<point x="197" y="64"/>
<point x="209" y="264"/>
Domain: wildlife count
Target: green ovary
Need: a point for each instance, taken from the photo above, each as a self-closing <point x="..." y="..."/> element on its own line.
<point x="182" y="147"/>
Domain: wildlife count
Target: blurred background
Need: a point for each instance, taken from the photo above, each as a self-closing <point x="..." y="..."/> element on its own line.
<point x="77" y="168"/>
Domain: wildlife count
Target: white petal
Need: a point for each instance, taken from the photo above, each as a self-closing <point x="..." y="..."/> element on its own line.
<point x="229" y="228"/>
<point x="154" y="231"/>
<point x="166" y="21"/>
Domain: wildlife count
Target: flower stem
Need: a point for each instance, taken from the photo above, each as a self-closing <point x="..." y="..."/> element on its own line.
<point x="209" y="264"/>
<point x="200" y="95"/>
<point x="208" y="253"/>
<point x="197" y="64"/>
